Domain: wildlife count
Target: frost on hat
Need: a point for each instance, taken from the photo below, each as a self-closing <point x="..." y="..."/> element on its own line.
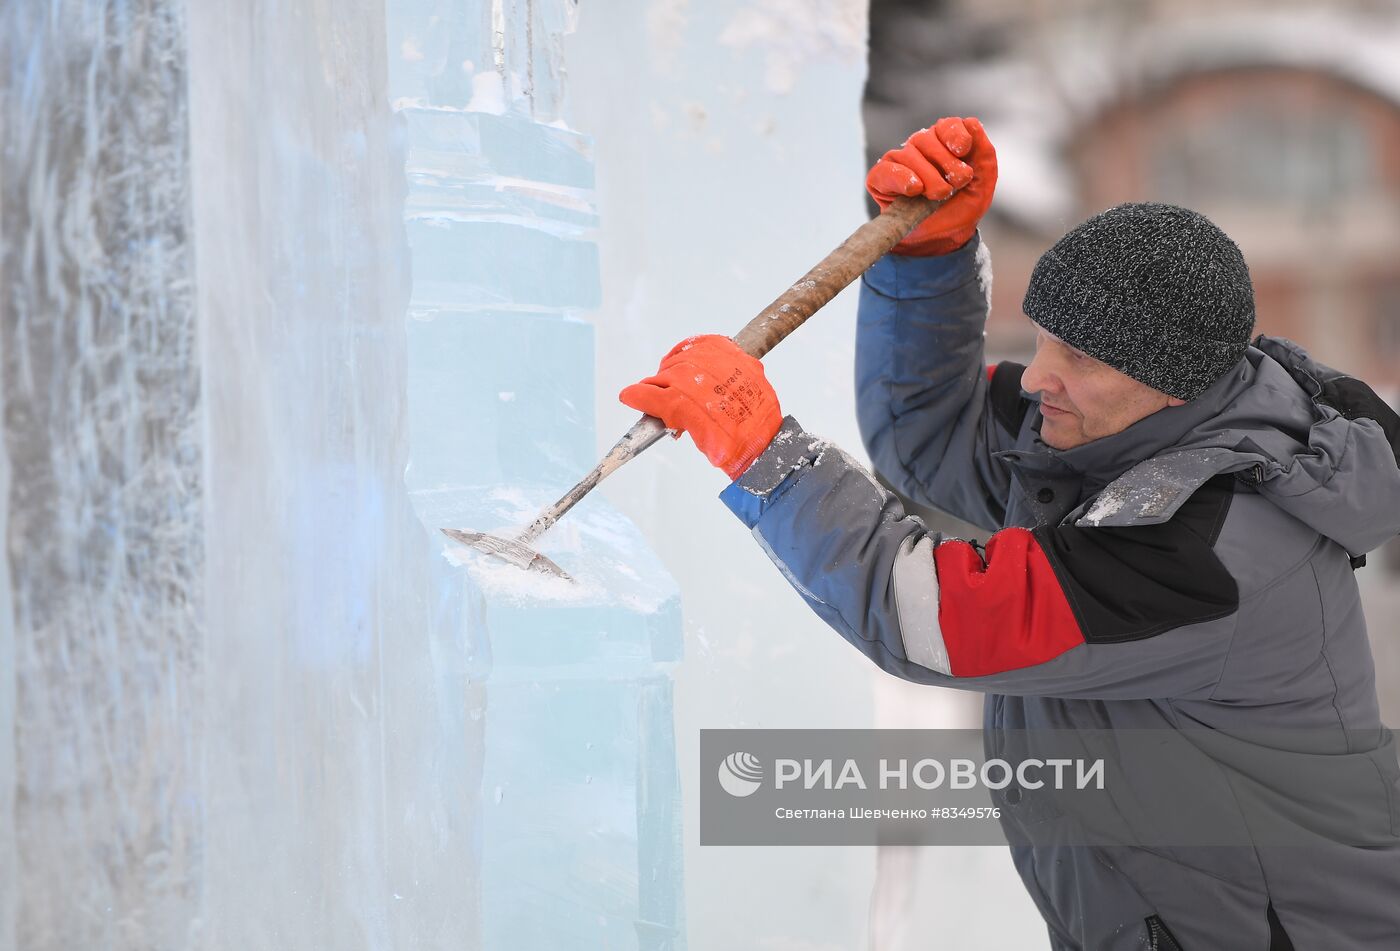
<point x="1156" y="291"/>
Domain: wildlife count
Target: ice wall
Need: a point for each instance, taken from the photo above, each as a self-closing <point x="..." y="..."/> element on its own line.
<point x="581" y="823"/>
<point x="102" y="639"/>
<point x="342" y="774"/>
<point x="258" y="258"/>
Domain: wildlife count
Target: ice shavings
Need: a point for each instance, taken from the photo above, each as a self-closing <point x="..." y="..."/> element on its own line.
<point x="790" y="448"/>
<point x="1146" y="492"/>
<point x="511" y="582"/>
<point x="1106" y="506"/>
<point x="984" y="272"/>
<point x="598" y="547"/>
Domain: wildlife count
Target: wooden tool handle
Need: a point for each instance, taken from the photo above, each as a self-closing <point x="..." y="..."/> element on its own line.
<point x="866" y="245"/>
<point x="863" y="248"/>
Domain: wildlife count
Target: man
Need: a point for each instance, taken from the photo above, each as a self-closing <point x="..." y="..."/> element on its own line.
<point x="1180" y="513"/>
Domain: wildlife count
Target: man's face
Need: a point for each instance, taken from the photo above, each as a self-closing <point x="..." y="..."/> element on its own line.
<point x="1083" y="399"/>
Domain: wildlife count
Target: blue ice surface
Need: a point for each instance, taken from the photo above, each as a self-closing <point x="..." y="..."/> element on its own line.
<point x="501" y="398"/>
<point x="580" y="828"/>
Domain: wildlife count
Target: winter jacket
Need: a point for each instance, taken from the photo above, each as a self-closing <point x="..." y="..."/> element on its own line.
<point x="1192" y="572"/>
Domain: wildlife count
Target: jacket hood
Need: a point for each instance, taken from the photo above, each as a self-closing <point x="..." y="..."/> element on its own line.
<point x="1316" y="443"/>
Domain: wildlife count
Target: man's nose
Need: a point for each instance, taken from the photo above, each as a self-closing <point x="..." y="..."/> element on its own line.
<point x="1036" y="378"/>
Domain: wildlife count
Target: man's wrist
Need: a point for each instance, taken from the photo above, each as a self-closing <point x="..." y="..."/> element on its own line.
<point x="792" y="451"/>
<point x="911" y="277"/>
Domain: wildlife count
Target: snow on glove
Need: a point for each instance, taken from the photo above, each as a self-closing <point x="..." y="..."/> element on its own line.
<point x="953" y="157"/>
<point x="708" y="387"/>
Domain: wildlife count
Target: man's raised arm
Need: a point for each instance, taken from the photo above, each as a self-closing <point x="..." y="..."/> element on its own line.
<point x="931" y="413"/>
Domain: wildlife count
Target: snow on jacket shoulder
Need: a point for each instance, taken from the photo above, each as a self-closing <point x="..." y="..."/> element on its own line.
<point x="1195" y="568"/>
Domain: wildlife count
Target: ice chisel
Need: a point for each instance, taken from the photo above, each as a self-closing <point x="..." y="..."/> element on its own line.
<point x="790" y="310"/>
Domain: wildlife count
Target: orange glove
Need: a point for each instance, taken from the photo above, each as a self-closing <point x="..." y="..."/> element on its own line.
<point x="931" y="162"/>
<point x="710" y="388"/>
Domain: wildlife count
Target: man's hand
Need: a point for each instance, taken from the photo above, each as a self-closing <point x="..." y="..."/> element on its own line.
<point x="708" y="387"/>
<point x="953" y="158"/>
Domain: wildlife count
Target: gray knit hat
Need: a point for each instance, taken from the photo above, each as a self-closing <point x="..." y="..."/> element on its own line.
<point x="1156" y="291"/>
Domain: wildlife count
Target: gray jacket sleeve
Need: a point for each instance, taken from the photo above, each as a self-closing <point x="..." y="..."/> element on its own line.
<point x="1099" y="613"/>
<point x="923" y="396"/>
